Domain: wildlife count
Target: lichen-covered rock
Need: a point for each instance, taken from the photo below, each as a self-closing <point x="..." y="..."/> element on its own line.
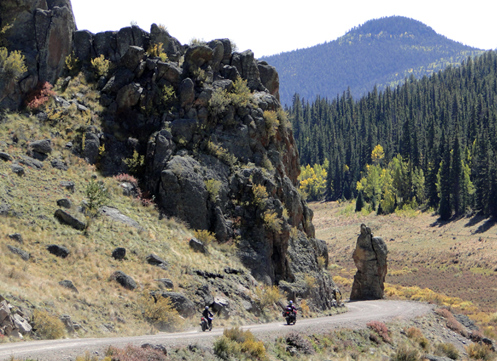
<point x="370" y="258"/>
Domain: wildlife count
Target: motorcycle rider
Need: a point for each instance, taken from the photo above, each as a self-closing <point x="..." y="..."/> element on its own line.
<point x="208" y="316"/>
<point x="291" y="306"/>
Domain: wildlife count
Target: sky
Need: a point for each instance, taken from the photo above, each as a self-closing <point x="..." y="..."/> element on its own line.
<point x="270" y="27"/>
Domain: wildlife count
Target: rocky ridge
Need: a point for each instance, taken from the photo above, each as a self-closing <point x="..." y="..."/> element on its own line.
<point x="204" y="124"/>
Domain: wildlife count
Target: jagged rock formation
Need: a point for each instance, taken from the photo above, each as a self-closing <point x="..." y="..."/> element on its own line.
<point x="42" y="30"/>
<point x="370" y="258"/>
<point x="217" y="149"/>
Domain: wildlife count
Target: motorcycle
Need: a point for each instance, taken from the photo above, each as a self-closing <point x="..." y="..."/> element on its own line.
<point x="290" y="316"/>
<point x="204" y="324"/>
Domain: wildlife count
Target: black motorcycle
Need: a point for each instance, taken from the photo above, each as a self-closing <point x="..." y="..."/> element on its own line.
<point x="204" y="324"/>
<point x="290" y="315"/>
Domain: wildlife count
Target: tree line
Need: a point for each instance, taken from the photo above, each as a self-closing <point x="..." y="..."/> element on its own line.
<point x="426" y="143"/>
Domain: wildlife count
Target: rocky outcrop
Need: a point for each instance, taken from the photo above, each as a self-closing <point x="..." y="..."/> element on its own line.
<point x="42" y="31"/>
<point x="12" y="321"/>
<point x="370" y="258"/>
<point x="214" y="146"/>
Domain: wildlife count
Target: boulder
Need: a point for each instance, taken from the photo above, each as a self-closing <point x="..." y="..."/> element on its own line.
<point x="197" y="246"/>
<point x="155" y="260"/>
<point x="31" y="162"/>
<point x="16" y="237"/>
<point x="69" y="285"/>
<point x="221" y="307"/>
<point x="59" y="164"/>
<point x="269" y="78"/>
<point x="370" y="258"/>
<point x="58" y="251"/>
<point x="41" y="146"/>
<point x="23" y="254"/>
<point x="167" y="283"/>
<point x="124" y="280"/>
<point x="5" y="157"/>
<point x="64" y="202"/>
<point x="119" y="253"/>
<point x="69" y="185"/>
<point x="17" y="169"/>
<point x="114" y="214"/>
<point x="69" y="219"/>
<point x="181" y="303"/>
<point x="159" y="348"/>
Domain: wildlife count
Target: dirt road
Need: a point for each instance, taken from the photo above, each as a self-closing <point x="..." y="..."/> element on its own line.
<point x="358" y="315"/>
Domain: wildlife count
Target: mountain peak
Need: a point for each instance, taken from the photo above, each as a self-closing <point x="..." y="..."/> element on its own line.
<point x="394" y="25"/>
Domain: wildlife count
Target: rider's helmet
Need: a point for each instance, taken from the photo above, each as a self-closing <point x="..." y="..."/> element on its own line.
<point x="291" y="301"/>
<point x="206" y="307"/>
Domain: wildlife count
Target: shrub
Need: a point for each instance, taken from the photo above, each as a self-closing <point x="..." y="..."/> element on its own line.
<point x="238" y="344"/>
<point x="72" y="64"/>
<point x="219" y="101"/>
<point x="12" y="65"/>
<point x="447" y="349"/>
<point x="272" y="122"/>
<point x="204" y="236"/>
<point x="168" y="95"/>
<point x="135" y="163"/>
<point x="296" y="341"/>
<point x="267" y="295"/>
<point x="240" y="95"/>
<point x="134" y="353"/>
<point x="381" y="329"/>
<point x="404" y="353"/>
<point x="159" y="311"/>
<point x="272" y="221"/>
<point x="479" y="351"/>
<point x="47" y="325"/>
<point x="416" y="335"/>
<point x="101" y="66"/>
<point x="222" y="154"/>
<point x="213" y="186"/>
<point x="40" y="96"/>
<point x="96" y="195"/>
<point x="157" y="51"/>
<point x="260" y="195"/>
<point x="451" y="321"/>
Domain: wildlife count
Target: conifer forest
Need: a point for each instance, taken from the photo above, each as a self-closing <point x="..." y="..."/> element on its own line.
<point x="427" y="144"/>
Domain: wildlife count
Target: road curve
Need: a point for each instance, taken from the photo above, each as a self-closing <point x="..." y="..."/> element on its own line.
<point x="359" y="313"/>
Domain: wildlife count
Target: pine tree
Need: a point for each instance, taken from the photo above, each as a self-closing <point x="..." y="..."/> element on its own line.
<point x="444" y="208"/>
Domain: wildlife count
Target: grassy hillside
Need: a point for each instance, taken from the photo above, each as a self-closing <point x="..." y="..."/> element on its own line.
<point x="101" y="305"/>
<point x="452" y="264"/>
<point x="381" y="52"/>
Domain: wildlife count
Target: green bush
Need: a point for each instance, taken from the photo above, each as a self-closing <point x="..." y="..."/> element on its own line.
<point x="213" y="186"/>
<point x="447" y="349"/>
<point x="157" y="51"/>
<point x="135" y="163"/>
<point x="272" y="221"/>
<point x="12" y="65"/>
<point x="239" y="345"/>
<point x="159" y="312"/>
<point x="260" y="195"/>
<point x="47" y="325"/>
<point x="96" y="195"/>
<point x="404" y="353"/>
<point x="272" y="122"/>
<point x="101" y="66"/>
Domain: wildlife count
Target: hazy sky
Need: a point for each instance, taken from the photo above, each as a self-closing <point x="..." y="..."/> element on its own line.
<point x="272" y="26"/>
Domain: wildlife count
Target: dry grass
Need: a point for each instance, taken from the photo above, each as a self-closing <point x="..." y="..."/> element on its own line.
<point x="32" y="199"/>
<point x="449" y="264"/>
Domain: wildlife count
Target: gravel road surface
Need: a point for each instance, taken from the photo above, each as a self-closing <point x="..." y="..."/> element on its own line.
<point x="359" y="313"/>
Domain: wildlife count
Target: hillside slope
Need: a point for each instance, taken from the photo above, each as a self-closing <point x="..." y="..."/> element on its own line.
<point x="380" y="52"/>
<point x="194" y="133"/>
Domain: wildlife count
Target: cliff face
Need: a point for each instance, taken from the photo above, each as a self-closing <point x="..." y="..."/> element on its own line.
<point x="42" y="30"/>
<point x="211" y="142"/>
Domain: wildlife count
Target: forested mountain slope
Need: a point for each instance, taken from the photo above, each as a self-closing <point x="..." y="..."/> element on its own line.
<point x="381" y="51"/>
<point x="430" y="141"/>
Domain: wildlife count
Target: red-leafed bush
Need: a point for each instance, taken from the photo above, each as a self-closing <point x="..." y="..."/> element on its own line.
<point x="381" y="329"/>
<point x="40" y="95"/>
